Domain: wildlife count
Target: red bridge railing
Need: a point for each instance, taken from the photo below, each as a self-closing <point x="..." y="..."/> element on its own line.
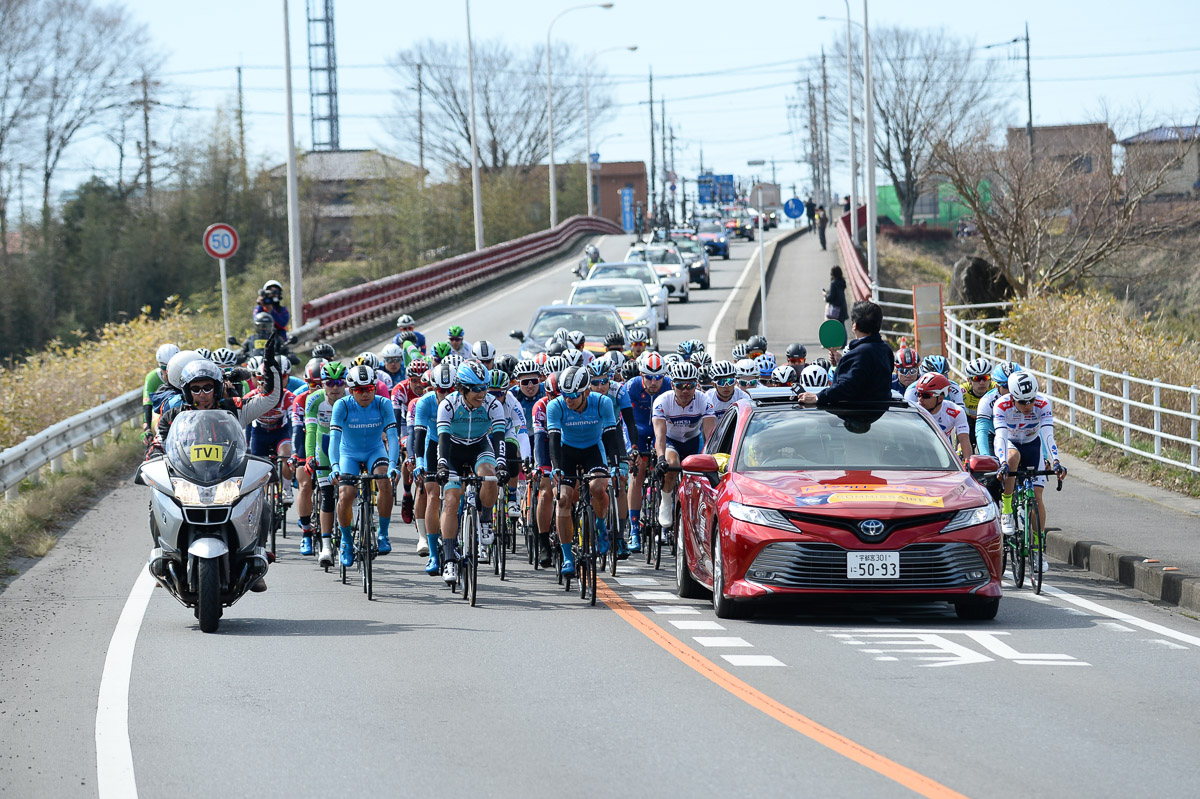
<point x="852" y="265"/>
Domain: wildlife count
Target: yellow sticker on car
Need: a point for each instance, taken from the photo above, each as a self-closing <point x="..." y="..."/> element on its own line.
<point x="883" y="496"/>
<point x="207" y="452"/>
<point x="831" y="489"/>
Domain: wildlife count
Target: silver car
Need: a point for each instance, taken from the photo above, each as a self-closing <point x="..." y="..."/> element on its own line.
<point x="668" y="264"/>
<point x="696" y="258"/>
<point x="637" y="270"/>
<point x="628" y="296"/>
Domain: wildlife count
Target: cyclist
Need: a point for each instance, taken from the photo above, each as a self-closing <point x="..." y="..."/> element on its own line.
<point x="908" y="369"/>
<point x="1024" y="429"/>
<point x="394" y="363"/>
<point x="724" y="393"/>
<point x="938" y="365"/>
<point x="615" y="342"/>
<point x="639" y="340"/>
<point x="458" y="344"/>
<point x="516" y="438"/>
<point x="470" y="432"/>
<point x="441" y="351"/>
<point x="738" y="352"/>
<point x="318" y="413"/>
<point x="423" y="449"/>
<point x="796" y="353"/>
<point x="271" y="432"/>
<point x="156" y="378"/>
<point x="304" y="479"/>
<point x="951" y="419"/>
<point x="601" y="373"/>
<point x="682" y="420"/>
<point x="541" y="459"/>
<point x="383" y="380"/>
<point x="755" y="346"/>
<point x="689" y="347"/>
<point x="360" y="423"/>
<point x="644" y="390"/>
<point x="785" y="376"/>
<point x="766" y="365"/>
<point x="403" y="395"/>
<point x="974" y="388"/>
<point x="484" y="351"/>
<point x="409" y="325"/>
<point x="583" y="437"/>
<point x="747" y="374"/>
<point x="985" y="428"/>
<point x="577" y="342"/>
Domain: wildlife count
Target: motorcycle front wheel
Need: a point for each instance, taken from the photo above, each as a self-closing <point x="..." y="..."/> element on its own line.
<point x="208" y="600"/>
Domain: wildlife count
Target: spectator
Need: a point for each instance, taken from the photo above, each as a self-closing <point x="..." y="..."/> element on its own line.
<point x="810" y="210"/>
<point x="822" y="221"/>
<point x="835" y="296"/>
<point x="864" y="373"/>
<point x="846" y="204"/>
<point x="270" y="300"/>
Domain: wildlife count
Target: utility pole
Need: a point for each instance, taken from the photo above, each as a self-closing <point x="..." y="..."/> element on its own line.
<point x="1028" y="94"/>
<point x="673" y="217"/>
<point x="241" y="123"/>
<point x="421" y="126"/>
<point x="773" y="183"/>
<point x="829" y="199"/>
<point x="147" y="158"/>
<point x="662" y="115"/>
<point x="650" y="181"/>
<point x="701" y="159"/>
<point x="683" y="195"/>
<point x="814" y="142"/>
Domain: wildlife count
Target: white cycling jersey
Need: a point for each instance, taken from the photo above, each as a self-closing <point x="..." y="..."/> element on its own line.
<point x="1015" y="426"/>
<point x="953" y="394"/>
<point x="683" y="422"/>
<point x="385" y="377"/>
<point x="516" y="430"/>
<point x="951" y="420"/>
<point x="719" y="405"/>
<point x="465" y="352"/>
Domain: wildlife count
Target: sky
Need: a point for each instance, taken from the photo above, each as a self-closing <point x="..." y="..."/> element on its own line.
<point x="1085" y="58"/>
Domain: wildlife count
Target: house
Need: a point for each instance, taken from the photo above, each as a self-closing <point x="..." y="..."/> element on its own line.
<point x="1174" y="147"/>
<point x="329" y="180"/>
<point x="608" y="179"/>
<point x="1082" y="149"/>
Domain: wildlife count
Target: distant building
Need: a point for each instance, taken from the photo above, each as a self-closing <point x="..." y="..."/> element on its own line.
<point x="1084" y="149"/>
<point x="1148" y="152"/>
<point x="608" y="180"/>
<point x="940" y="208"/>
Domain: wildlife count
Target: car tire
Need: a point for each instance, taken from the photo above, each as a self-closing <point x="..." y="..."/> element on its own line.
<point x="725" y="257"/>
<point x="704" y="282"/>
<point x="723" y="607"/>
<point x="977" y="610"/>
<point x="686" y="295"/>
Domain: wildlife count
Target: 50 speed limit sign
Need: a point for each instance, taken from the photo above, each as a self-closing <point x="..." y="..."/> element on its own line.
<point x="220" y="240"/>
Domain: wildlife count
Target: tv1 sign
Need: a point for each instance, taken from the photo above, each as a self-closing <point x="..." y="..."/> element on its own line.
<point x="221" y="242"/>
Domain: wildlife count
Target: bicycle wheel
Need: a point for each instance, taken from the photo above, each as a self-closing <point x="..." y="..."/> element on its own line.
<point x="363" y="541"/>
<point x="1018" y="549"/>
<point x="1037" y="547"/>
<point x="615" y="539"/>
<point x="272" y="505"/>
<point x="591" y="557"/>
<point x="506" y="535"/>
<point x="582" y="552"/>
<point x="473" y="557"/>
<point x="465" y="520"/>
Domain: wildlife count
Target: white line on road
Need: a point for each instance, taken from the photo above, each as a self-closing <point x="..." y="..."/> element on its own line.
<point x="1116" y="626"/>
<point x="114" y="758"/>
<point x="1165" y="642"/>
<point x="712" y="331"/>
<point x="659" y="595"/>
<point x="752" y="660"/>
<point x="636" y="581"/>
<point x="675" y="610"/>
<point x="1120" y="616"/>
<point x="721" y="641"/>
<point x="695" y="625"/>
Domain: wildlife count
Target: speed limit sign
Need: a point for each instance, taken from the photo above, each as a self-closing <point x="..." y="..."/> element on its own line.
<point x="220" y="240"/>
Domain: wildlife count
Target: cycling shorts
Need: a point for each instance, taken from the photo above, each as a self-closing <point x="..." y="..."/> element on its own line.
<point x="430" y="460"/>
<point x="1031" y="457"/>
<point x="267" y="442"/>
<point x="477" y="453"/>
<point x="685" y="448"/>
<point x="350" y="462"/>
<point x="580" y="459"/>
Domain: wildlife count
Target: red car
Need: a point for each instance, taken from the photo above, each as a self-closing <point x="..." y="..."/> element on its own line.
<point x="865" y="502"/>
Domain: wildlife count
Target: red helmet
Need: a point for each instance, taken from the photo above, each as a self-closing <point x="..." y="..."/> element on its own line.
<point x="540" y="358"/>
<point x="552" y="384"/>
<point x="907" y="358"/>
<point x="651" y="365"/>
<point x="418" y="367"/>
<point x="933" y="383"/>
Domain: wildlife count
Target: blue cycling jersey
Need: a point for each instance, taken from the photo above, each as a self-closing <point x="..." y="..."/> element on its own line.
<point x="581" y="429"/>
<point x="296" y="384"/>
<point x="619" y="395"/>
<point x="643" y="401"/>
<point x="425" y="417"/>
<point x="527" y="403"/>
<point x="466" y="425"/>
<point x="355" y="429"/>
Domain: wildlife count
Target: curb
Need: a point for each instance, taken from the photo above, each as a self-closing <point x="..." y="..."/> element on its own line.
<point x="746" y="321"/>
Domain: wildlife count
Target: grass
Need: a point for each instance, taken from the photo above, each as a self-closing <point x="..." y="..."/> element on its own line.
<point x="903" y="265"/>
<point x="1117" y="461"/>
<point x="27" y="525"/>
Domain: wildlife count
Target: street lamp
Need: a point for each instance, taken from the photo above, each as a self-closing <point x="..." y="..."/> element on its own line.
<point x="293" y="191"/>
<point x="762" y="269"/>
<point x="476" y="194"/>
<point x="550" y="104"/>
<point x="850" y="119"/>
<point x="587" y="118"/>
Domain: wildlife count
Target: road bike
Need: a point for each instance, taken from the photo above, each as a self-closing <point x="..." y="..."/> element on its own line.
<point x="365" y="527"/>
<point x="274" y="505"/>
<point x="468" y="533"/>
<point x="1028" y="544"/>
<point x="663" y="537"/>
<point x="651" y="494"/>
<point x="527" y="523"/>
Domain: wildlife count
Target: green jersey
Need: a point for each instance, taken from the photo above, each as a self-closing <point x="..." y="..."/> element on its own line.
<point x="318" y="413"/>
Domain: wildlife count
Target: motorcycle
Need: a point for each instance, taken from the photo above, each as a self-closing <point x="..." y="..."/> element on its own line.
<point x="207" y="518"/>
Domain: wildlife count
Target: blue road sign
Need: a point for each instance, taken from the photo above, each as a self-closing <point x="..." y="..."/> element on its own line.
<point x="793" y="208"/>
<point x="704" y="190"/>
<point x="627" y="209"/>
<point x="724" y="188"/>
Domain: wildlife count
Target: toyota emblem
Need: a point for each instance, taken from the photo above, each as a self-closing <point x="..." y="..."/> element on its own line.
<point x="872" y="528"/>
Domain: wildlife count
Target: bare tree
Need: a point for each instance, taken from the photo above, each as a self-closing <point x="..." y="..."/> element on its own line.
<point x="20" y="70"/>
<point x="1049" y="222"/>
<point x="929" y="86"/>
<point x="510" y="97"/>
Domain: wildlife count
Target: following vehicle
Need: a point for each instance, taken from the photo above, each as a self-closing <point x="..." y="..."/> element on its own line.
<point x="595" y="321"/>
<point x="667" y="264"/>
<point x="627" y="295"/>
<point x="637" y="270"/>
<point x="712" y="234"/>
<point x="696" y="259"/>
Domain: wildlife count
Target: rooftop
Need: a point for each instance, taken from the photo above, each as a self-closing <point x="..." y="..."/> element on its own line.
<point x="1165" y="134"/>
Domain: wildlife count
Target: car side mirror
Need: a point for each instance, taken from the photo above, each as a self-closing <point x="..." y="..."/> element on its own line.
<point x="657" y="301"/>
<point x="977" y="464"/>
<point x="519" y="335"/>
<point x="704" y="464"/>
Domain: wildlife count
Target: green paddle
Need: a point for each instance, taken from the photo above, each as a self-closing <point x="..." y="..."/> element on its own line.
<point x="832" y="334"/>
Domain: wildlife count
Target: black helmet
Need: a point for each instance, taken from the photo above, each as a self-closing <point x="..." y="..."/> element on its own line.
<point x="756" y="343"/>
<point x="506" y="364"/>
<point x="629" y="369"/>
<point x="324" y="351"/>
<point x="797" y="350"/>
<point x="556" y="348"/>
<point x="615" y="339"/>
<point x="264" y="321"/>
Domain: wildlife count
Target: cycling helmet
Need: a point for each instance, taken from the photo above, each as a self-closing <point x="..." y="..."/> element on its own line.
<point x="907" y="358"/>
<point x="176" y="364"/>
<point x="360" y="375"/>
<point x="685" y="371"/>
<point x="687" y="347"/>
<point x="455" y="361"/>
<point x="639" y="335"/>
<point x="526" y="366"/>
<point x="224" y="356"/>
<point x="325" y="351"/>
<point x="312" y="369"/>
<point x="701" y="359"/>
<point x="333" y="370"/>
<point x="746" y="369"/>
<point x="498" y="380"/>
<point x="784" y="375"/>
<point x="484" y="350"/>
<point x="739" y="351"/>
<point x="672" y="357"/>
<point x="551" y="386"/>
<point x="560" y="334"/>
<point x="506" y="363"/>
<point x="272" y="287"/>
<point x="797" y="350"/>
<point x="391" y="351"/>
<point x="441" y="377"/>
<point x="573" y="357"/>
<point x="1003" y="370"/>
<point x="1022" y="386"/>
<point x="164" y="354"/>
<point x="205" y="353"/>
<point x="721" y="369"/>
<point x="600" y="369"/>
<point x="540" y="359"/>
<point x="285" y="364"/>
<point x="367" y="359"/>
<point x="197" y="370"/>
<point x="652" y="364"/>
<point x="441" y="350"/>
<point x="472" y="374"/>
<point x="823" y="363"/>
<point x="454" y="331"/>
<point x="574" y="380"/>
<point x="933" y="383"/>
<point x="756" y="344"/>
<point x="576" y="339"/>
<point x="556" y="347"/>
<point x="554" y="365"/>
<point x="766" y="364"/>
<point x="264" y="322"/>
<point x="935" y="363"/>
<point x="615" y="339"/>
<point x="418" y="367"/>
<point x="980" y="367"/>
<point x="407" y="336"/>
<point x="814" y="376"/>
<point x="405" y="321"/>
<point x="616" y="359"/>
<point x="629" y="370"/>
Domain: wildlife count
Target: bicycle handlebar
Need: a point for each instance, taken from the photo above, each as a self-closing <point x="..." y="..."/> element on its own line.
<point x="1028" y="473"/>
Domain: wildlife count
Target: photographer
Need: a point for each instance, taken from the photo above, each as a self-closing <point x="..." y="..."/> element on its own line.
<point x="270" y="300"/>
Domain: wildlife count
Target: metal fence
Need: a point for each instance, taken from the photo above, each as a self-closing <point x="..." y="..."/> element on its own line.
<point x="1147" y="418"/>
<point x="28" y="458"/>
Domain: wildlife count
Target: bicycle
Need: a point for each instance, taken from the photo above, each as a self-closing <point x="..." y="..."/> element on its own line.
<point x="583" y="521"/>
<point x="651" y="494"/>
<point x="528" y="520"/>
<point x="275" y="506"/>
<point x="1028" y="544"/>
<point x="468" y="529"/>
<point x="366" y="543"/>
<point x="616" y="540"/>
<point x="662" y="536"/>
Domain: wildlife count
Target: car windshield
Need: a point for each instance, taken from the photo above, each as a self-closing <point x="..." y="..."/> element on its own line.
<point x="789" y="438"/>
<point x="661" y="255"/>
<point x="206" y="447"/>
<point x="712" y="226"/>
<point x="688" y="246"/>
<point x="608" y="295"/>
<point x="594" y="324"/>
<point x="631" y="271"/>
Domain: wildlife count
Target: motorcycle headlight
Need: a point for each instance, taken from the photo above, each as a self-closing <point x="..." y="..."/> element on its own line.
<point x="188" y="493"/>
<point x="765" y="517"/>
<point x="971" y="517"/>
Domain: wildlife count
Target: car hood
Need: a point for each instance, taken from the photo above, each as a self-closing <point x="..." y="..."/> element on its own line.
<point x="841" y="493"/>
<point x="707" y="236"/>
<point x="632" y="313"/>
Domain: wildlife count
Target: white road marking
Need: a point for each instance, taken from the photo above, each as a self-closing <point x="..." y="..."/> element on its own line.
<point x="1051" y="663"/>
<point x="1165" y="642"/>
<point x="675" y="610"/>
<point x="721" y="640"/>
<point x="716" y="325"/>
<point x="695" y="625"/>
<point x="637" y="581"/>
<point x="939" y="650"/>
<point x="1116" y="626"/>
<point x="887" y="658"/>
<point x="1121" y="616"/>
<point x="114" y="758"/>
<point x="752" y="660"/>
<point x="657" y="595"/>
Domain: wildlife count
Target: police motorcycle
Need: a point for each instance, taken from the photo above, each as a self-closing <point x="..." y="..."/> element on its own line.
<point x="206" y="513"/>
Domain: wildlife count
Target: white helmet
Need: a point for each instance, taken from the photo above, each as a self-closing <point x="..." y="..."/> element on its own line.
<point x="361" y="375"/>
<point x="285" y="364"/>
<point x="684" y="371"/>
<point x="391" y="351"/>
<point x="454" y="361"/>
<point x="1022" y="386"/>
<point x="224" y="357"/>
<point x="164" y="355"/>
<point x="484" y="350"/>
<point x="573" y="357"/>
<point x="368" y="359"/>
<point x="272" y="285"/>
<point x="442" y="376"/>
<point x="573" y="380"/>
<point x="785" y="375"/>
<point x="176" y="364"/>
<point x="405" y="321"/>
<point x="746" y="369"/>
<point x="980" y="367"/>
<point x="576" y="339"/>
<point x="814" y="376"/>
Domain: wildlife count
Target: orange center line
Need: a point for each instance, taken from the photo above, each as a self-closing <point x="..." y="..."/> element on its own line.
<point x="905" y="776"/>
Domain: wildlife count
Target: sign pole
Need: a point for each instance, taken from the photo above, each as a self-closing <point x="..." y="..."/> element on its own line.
<point x="762" y="273"/>
<point x="224" y="297"/>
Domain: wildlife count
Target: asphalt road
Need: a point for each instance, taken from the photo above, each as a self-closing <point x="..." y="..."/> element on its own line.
<point x="309" y="689"/>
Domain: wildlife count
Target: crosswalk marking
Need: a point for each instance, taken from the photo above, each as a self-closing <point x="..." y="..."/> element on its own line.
<point x="752" y="660"/>
<point x="695" y="625"/>
<point x="721" y="641"/>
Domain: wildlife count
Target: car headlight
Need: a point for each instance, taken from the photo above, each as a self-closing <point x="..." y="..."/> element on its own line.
<point x="722" y="239"/>
<point x="971" y="517"/>
<point x="765" y="517"/>
<point x="641" y="322"/>
<point x="188" y="493"/>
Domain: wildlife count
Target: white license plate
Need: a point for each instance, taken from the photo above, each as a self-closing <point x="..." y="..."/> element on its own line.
<point x="873" y="565"/>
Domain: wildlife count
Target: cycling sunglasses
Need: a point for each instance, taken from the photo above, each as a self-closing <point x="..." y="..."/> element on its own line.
<point x="1023" y="402"/>
<point x="981" y="378"/>
<point x="925" y="395"/>
<point x="456" y="338"/>
<point x="685" y="386"/>
<point x="362" y="390"/>
<point x="571" y="394"/>
<point x="907" y="372"/>
<point x="600" y="382"/>
<point x="723" y="382"/>
<point x="530" y="381"/>
<point x="795" y="361"/>
<point x="334" y="383"/>
<point x="657" y="378"/>
<point x="393" y="360"/>
<point x="475" y="389"/>
<point x="747" y="383"/>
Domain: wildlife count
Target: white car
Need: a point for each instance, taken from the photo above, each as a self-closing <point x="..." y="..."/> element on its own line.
<point x="637" y="270"/>
<point x="668" y="264"/>
<point x="627" y="295"/>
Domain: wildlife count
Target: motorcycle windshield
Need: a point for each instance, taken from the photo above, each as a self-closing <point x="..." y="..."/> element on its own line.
<point x="205" y="447"/>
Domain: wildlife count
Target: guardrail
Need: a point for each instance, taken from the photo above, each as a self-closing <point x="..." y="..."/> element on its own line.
<point x="362" y="306"/>
<point x="50" y="445"/>
<point x="1147" y="418"/>
<point x="852" y="265"/>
